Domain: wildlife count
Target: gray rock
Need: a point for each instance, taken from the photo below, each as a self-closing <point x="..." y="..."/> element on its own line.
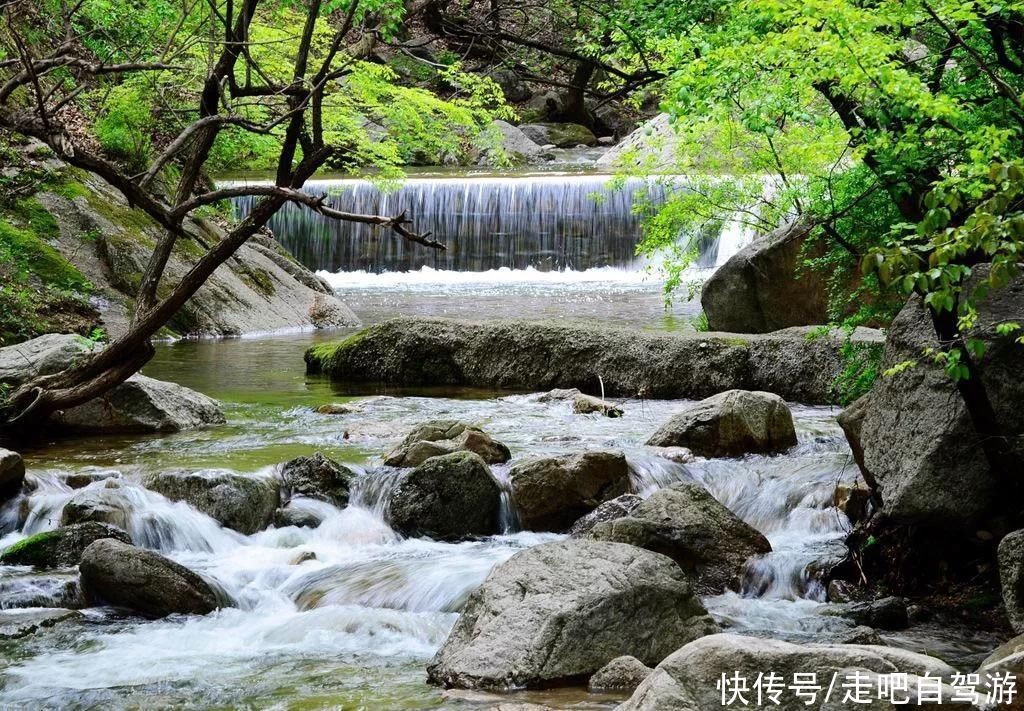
<point x="686" y="680"/>
<point x="535" y="356"/>
<point x="687" y="524"/>
<point x="318" y="477"/>
<point x="608" y="511"/>
<point x="562" y="135"/>
<point x="888" y="613"/>
<point x="12" y="473"/>
<point x="730" y="424"/>
<point x="1011" y="577"/>
<point x="861" y="634"/>
<point x="450" y="497"/>
<point x="143" y="580"/>
<point x="44" y="355"/>
<point x="142" y="404"/>
<point x="624" y="673"/>
<point x="851" y="420"/>
<point x="550" y="494"/>
<point x="241" y="502"/>
<point x="1008" y="658"/>
<point x="80" y="480"/>
<point x="514" y="88"/>
<point x="562" y="610"/>
<point x="437" y="437"/>
<point x="515" y="146"/>
<point x="919" y="444"/>
<point x="337" y="408"/>
<point x="651" y="147"/>
<point x="61" y="547"/>
<point x="15" y="624"/>
<point x="106" y="504"/>
<point x="759" y="289"/>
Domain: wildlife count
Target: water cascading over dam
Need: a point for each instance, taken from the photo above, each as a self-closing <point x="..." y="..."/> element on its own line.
<point x="548" y="222"/>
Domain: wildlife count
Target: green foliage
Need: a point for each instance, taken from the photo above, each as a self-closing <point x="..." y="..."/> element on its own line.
<point x="861" y="365"/>
<point x="700" y="322"/>
<point x="125" y="123"/>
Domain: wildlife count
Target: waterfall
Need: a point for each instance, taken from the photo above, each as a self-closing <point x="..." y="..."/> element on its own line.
<point x="544" y="222"/>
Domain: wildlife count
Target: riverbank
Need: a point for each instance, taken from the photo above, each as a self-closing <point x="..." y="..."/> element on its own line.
<point x="798" y="364"/>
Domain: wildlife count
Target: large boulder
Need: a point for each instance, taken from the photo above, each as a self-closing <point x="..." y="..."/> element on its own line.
<point x="551" y="493"/>
<point x="438" y="437"/>
<point x="562" y="610"/>
<point x="318" y="477"/>
<point x="143" y="581"/>
<point x="687" y="524"/>
<point x="730" y="424"/>
<point x="12" y="473"/>
<point x="528" y="355"/>
<point x="61" y="547"/>
<point x="690" y="679"/>
<point x="244" y="503"/>
<point x="450" y="497"/>
<point x="759" y="288"/>
<point x="1011" y="577"/>
<point x="44" y="355"/>
<point x="142" y="404"/>
<point x="919" y="444"/>
<point x="562" y="135"/>
<point x="515" y="147"/>
<point x="104" y="504"/>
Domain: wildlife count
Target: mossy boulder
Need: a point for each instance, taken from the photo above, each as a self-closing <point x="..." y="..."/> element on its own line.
<point x="61" y="547"/>
<point x="562" y="135"/>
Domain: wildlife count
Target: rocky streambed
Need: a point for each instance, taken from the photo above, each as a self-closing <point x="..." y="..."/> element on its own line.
<point x="322" y="602"/>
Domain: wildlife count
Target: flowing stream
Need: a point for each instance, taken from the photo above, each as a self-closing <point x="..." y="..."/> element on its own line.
<point x="346" y="615"/>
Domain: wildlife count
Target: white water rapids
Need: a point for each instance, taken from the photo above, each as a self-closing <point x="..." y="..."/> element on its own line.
<point x="355" y="625"/>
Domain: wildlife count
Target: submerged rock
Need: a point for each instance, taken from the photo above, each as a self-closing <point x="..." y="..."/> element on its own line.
<point x="918" y="441"/>
<point x="1011" y="577"/>
<point x="560" y="611"/>
<point x="12" y="474"/>
<point x="143" y="581"/>
<point x="299" y="517"/>
<point x="687" y="524"/>
<point x="688" y="680"/>
<point x="551" y="493"/>
<point x="241" y="502"/>
<point x="588" y="404"/>
<point x="437" y="437"/>
<point x="730" y="424"/>
<point x="142" y="404"/>
<point x="15" y="624"/>
<point x="450" y="497"/>
<point x="318" y="477"/>
<point x="608" y="511"/>
<point x="620" y="673"/>
<point x="533" y="356"/>
<point x="337" y="408"/>
<point x="762" y="287"/>
<point x="61" y="547"/>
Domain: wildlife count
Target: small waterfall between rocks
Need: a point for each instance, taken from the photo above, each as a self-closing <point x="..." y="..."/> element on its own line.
<point x="542" y="222"/>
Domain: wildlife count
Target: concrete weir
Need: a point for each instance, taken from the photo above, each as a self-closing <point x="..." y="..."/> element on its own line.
<point x="798" y="364"/>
